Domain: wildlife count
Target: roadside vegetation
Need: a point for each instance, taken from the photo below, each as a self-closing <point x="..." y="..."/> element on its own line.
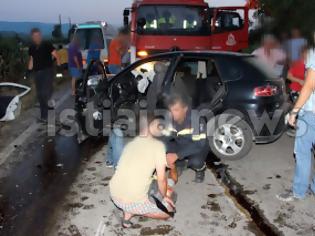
<point x="13" y="56"/>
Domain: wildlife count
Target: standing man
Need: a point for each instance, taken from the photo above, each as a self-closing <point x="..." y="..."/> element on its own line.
<point x="295" y="45"/>
<point x="41" y="62"/>
<point x="75" y="62"/>
<point x="186" y="139"/>
<point x="117" y="49"/>
<point x="303" y="118"/>
<point x="63" y="57"/>
<point x="272" y="55"/>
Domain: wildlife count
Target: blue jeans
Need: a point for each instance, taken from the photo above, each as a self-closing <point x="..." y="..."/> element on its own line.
<point x="115" y="146"/>
<point x="304" y="144"/>
<point x="114" y="69"/>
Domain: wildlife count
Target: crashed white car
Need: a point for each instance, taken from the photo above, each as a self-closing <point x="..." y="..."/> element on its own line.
<point x="10" y="106"/>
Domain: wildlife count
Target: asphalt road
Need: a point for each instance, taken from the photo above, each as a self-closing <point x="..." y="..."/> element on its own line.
<point x="53" y="186"/>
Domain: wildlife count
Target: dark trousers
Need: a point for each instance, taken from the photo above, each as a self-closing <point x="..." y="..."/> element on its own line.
<point x="44" y="89"/>
<point x="196" y="161"/>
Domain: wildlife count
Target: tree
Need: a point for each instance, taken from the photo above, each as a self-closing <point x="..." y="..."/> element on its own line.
<point x="288" y="14"/>
<point x="57" y="32"/>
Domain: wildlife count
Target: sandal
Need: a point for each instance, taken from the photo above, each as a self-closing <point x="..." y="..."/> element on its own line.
<point x="126" y="224"/>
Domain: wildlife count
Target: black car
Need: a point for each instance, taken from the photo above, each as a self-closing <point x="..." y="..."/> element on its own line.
<point x="239" y="96"/>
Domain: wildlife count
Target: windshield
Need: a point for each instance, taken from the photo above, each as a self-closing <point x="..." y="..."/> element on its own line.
<point x="173" y="20"/>
<point x="90" y="38"/>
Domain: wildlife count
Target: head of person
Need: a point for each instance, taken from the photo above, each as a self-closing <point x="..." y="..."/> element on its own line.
<point x="150" y="126"/>
<point x="167" y="15"/>
<point x="269" y="42"/>
<point x="60" y="47"/>
<point x="149" y="18"/>
<point x="178" y="108"/>
<point x="295" y="33"/>
<point x="124" y="35"/>
<point x="36" y="36"/>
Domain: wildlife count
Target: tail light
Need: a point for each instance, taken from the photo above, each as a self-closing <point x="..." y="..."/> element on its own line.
<point x="266" y="91"/>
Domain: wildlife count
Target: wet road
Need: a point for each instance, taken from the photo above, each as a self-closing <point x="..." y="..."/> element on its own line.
<point x="31" y="192"/>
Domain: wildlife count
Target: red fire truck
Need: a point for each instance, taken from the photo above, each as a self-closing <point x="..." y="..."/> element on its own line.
<point x="166" y="25"/>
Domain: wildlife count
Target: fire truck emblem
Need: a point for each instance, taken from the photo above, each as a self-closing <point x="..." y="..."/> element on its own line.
<point x="231" y="41"/>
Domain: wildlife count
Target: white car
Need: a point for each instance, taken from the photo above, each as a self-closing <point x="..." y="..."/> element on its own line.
<point x="95" y="35"/>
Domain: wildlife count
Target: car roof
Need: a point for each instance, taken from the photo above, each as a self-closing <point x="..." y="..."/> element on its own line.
<point x="202" y="54"/>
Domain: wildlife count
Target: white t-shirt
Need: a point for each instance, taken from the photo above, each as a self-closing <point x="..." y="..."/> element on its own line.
<point x="274" y="60"/>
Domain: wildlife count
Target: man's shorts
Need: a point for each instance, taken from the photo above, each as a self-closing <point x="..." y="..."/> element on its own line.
<point x="75" y="72"/>
<point x="138" y="208"/>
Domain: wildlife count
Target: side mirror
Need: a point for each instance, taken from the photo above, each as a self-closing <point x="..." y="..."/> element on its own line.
<point x="126" y="17"/>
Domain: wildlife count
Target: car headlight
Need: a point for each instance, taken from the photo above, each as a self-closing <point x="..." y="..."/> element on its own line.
<point x="94" y="80"/>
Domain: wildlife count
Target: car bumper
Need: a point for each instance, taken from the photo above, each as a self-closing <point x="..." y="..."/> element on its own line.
<point x="265" y="136"/>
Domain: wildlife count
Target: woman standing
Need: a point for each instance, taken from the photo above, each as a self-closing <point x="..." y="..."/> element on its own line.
<point x="303" y="117"/>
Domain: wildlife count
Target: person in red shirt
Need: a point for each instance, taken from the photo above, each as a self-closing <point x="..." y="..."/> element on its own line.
<point x="117" y="48"/>
<point x="296" y="74"/>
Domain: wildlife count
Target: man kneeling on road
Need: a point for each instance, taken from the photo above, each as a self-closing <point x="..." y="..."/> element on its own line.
<point x="186" y="139"/>
<point x="129" y="187"/>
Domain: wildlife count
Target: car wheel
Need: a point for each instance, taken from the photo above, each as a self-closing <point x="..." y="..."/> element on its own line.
<point x="232" y="139"/>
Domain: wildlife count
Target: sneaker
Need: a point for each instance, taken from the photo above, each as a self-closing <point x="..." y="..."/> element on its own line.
<point x="51" y="104"/>
<point x="42" y="121"/>
<point x="287" y="197"/>
<point x="200" y="177"/>
<point x="109" y="164"/>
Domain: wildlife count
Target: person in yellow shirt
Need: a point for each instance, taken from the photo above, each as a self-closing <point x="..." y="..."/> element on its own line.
<point x="129" y="187"/>
<point x="63" y="55"/>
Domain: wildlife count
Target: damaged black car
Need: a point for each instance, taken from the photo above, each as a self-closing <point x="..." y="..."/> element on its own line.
<point x="247" y="104"/>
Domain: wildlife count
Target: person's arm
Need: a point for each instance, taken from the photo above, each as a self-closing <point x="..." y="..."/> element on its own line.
<point x="161" y="178"/>
<point x="30" y="67"/>
<point x="30" y="64"/>
<point x="56" y="56"/>
<point x="76" y="60"/>
<point x="295" y="79"/>
<point x="305" y="94"/>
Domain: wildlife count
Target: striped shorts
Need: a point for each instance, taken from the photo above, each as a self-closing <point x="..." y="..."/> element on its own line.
<point x="137" y="208"/>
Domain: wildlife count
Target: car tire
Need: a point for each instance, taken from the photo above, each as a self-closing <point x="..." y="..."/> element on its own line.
<point x="231" y="138"/>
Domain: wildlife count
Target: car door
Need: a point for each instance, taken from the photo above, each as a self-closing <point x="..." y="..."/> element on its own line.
<point x="229" y="29"/>
<point x="198" y="81"/>
<point x="139" y="85"/>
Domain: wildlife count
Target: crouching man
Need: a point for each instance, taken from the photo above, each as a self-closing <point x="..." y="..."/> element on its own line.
<point x="186" y="138"/>
<point x="130" y="184"/>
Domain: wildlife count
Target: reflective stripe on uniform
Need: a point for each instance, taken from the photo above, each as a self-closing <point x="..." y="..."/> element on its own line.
<point x="185" y="132"/>
<point x="199" y="137"/>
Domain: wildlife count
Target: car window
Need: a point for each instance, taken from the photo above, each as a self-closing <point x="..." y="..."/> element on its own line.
<point x="228" y="20"/>
<point x="230" y="68"/>
<point x="142" y="81"/>
<point x="90" y="38"/>
<point x="198" y="80"/>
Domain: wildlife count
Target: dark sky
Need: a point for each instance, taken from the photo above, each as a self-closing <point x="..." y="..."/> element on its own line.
<point x="78" y="10"/>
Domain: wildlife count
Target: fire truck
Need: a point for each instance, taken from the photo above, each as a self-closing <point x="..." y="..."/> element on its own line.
<point x="170" y="25"/>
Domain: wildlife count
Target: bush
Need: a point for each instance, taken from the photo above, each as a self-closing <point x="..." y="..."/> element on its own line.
<point x="13" y="59"/>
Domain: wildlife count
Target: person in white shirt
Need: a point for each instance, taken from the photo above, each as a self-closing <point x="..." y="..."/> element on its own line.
<point x="303" y="117"/>
<point x="270" y="54"/>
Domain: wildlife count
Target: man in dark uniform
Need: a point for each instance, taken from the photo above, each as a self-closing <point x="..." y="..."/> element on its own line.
<point x="41" y="63"/>
<point x="186" y="138"/>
